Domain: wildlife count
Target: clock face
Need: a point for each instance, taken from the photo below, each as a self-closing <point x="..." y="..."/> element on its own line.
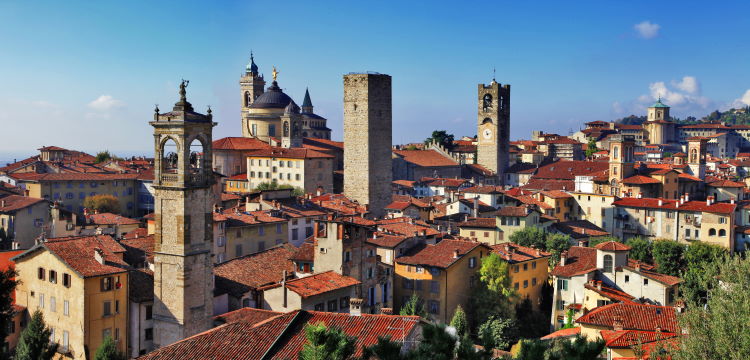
<point x="487" y="133"/>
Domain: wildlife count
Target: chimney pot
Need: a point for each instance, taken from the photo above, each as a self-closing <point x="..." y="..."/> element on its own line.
<point x="455" y="254"/>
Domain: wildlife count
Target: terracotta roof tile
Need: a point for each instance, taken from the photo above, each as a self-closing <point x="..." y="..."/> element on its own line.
<point x="320" y="283"/>
<point x="306" y="252"/>
<point x="640" y="180"/>
<point x="520" y="211"/>
<point x="294" y="153"/>
<point x="609" y="292"/>
<point x="240" y="275"/>
<point x="570" y="332"/>
<point x="425" y="158"/>
<point x="439" y="255"/>
<point x="612" y="246"/>
<point x="78" y="253"/>
<point x="239" y="143"/>
<point x="577" y="229"/>
<point x="485" y="223"/>
<point x="248" y="315"/>
<point x="633" y="316"/>
<point x="629" y="338"/>
<point x="514" y="253"/>
<point x="579" y="260"/>
<point x="110" y="219"/>
<point x="139" y="250"/>
<point x="727" y="184"/>
<point x="13" y="203"/>
<point x="653" y="203"/>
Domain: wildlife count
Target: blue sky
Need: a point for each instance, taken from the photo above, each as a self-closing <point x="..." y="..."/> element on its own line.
<point x="86" y="75"/>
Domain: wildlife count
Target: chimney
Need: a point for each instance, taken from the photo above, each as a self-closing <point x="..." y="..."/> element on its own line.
<point x="319" y="190"/>
<point x="599" y="285"/>
<point x="661" y="202"/>
<point x="582" y="243"/>
<point x="455" y="254"/>
<point x="617" y="323"/>
<point x="283" y="287"/>
<point x="355" y="306"/>
<point x="2" y="203"/>
<point x="563" y="255"/>
<point x="99" y="255"/>
<point x="475" y="211"/>
<point x="731" y="201"/>
<point x="386" y="311"/>
<point x="679" y="306"/>
<point x="687" y="196"/>
<point x="658" y="329"/>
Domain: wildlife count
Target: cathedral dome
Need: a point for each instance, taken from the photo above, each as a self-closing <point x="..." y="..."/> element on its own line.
<point x="272" y="98"/>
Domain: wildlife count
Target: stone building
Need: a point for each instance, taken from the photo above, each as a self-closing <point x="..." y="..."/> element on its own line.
<point x="183" y="269"/>
<point x="368" y="135"/>
<point x="313" y="125"/>
<point x="493" y="127"/>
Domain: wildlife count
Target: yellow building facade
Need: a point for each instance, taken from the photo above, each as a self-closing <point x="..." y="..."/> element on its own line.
<point x="528" y="270"/>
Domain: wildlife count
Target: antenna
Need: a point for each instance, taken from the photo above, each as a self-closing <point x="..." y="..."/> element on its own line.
<point x="493" y="74"/>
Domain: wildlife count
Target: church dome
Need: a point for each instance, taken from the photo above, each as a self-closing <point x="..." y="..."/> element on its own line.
<point x="272" y="98"/>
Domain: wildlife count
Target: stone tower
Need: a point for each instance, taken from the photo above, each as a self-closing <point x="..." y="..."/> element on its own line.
<point x="251" y="86"/>
<point x="658" y="124"/>
<point x="368" y="135"/>
<point x="493" y="127"/>
<point x="291" y="126"/>
<point x="183" y="203"/>
<point x="697" y="147"/>
<point x="621" y="160"/>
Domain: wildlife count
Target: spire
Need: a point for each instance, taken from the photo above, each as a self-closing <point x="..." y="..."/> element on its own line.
<point x="307" y="105"/>
<point x="251" y="67"/>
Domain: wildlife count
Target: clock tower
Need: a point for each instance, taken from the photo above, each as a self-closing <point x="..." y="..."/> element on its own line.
<point x="493" y="127"/>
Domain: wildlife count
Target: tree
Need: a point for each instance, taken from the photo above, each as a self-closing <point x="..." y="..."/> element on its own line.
<point x="702" y="261"/>
<point x="326" y="344"/>
<point x="720" y="329"/>
<point x="492" y="295"/>
<point x="531" y="349"/>
<point x="598" y="240"/>
<point x="103" y="156"/>
<point x="274" y="185"/>
<point x="3" y="236"/>
<point x="436" y="344"/>
<point x="413" y="307"/>
<point x="34" y="342"/>
<point x="7" y="288"/>
<point x="591" y="148"/>
<point x="494" y="274"/>
<point x="441" y="137"/>
<point x="531" y="324"/>
<point x="668" y="256"/>
<point x="103" y="203"/>
<point x="531" y="237"/>
<point x="384" y="349"/>
<point x="108" y="351"/>
<point x="460" y="322"/>
<point x="578" y="348"/>
<point x="556" y="244"/>
<point x="640" y="249"/>
<point x="500" y="333"/>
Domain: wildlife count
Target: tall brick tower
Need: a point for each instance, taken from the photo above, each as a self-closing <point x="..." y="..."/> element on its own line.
<point x="493" y="127"/>
<point x="251" y="86"/>
<point x="368" y="138"/>
<point x="183" y="203"/>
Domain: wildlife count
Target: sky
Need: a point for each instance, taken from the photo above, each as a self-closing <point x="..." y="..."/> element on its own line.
<point x="86" y="75"/>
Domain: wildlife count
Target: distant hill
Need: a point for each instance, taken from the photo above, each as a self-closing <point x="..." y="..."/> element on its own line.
<point x="631" y="120"/>
<point x="732" y="116"/>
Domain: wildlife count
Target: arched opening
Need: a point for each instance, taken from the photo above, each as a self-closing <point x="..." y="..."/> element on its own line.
<point x="615" y="152"/>
<point x="248" y="99"/>
<point x="607" y="263"/>
<point x="712" y="232"/>
<point x="486" y="102"/>
<point x="170" y="159"/>
<point x="197" y="156"/>
<point x="304" y="134"/>
<point x="286" y="129"/>
<point x="722" y="233"/>
<point x="295" y="129"/>
<point x="486" y="121"/>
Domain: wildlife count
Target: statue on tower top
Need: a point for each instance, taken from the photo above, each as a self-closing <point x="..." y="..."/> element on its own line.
<point x="274" y="73"/>
<point x="183" y="85"/>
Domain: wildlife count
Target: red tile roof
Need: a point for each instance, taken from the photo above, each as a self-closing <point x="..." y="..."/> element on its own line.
<point x="609" y="292"/>
<point x="405" y="183"/>
<point x="110" y="219"/>
<point x="519" y="211"/>
<point x="248" y="218"/>
<point x="579" y="260"/>
<point x="653" y="203"/>
<point x="250" y="272"/>
<point x="579" y="229"/>
<point x="640" y="180"/>
<point x="306" y="252"/>
<point x="689" y="177"/>
<point x="387" y="240"/>
<point x="283" y="336"/>
<point x="78" y="254"/>
<point x="570" y="332"/>
<point x="727" y="184"/>
<point x="484" y="189"/>
<point x="439" y="255"/>
<point x="612" y="246"/>
<point x="514" y="253"/>
<point x="646" y="270"/>
<point x="568" y="170"/>
<point x="629" y="338"/>
<point x="425" y="158"/>
<point x="248" y="315"/>
<point x="633" y="316"/>
<point x="239" y="143"/>
<point x="484" y="223"/>
<point x="139" y="250"/>
<point x="72" y="176"/>
<point x="320" y="283"/>
<point x="556" y="194"/>
<point x="324" y="142"/>
<point x="13" y="203"/>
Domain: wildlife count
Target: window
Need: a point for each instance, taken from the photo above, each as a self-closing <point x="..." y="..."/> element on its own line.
<point x="347" y="256"/>
<point x="516" y="268"/>
<point x="533" y="265"/>
<point x="66" y="280"/>
<point x="106" y="283"/>
<point x="52" y="304"/>
<point x="722" y="220"/>
<point x="419" y="270"/>
<point x="279" y="228"/>
<point x="607" y="264"/>
<point x="66" y="308"/>
<point x="370" y="272"/>
<point x="645" y="281"/>
<point x="722" y="232"/>
<point x="515" y="286"/>
<point x="261" y="230"/>
<point x="53" y="276"/>
<point x="65" y="340"/>
<point x="332" y="305"/>
<point x="434" y="287"/>
<point x="627" y="278"/>
<point x="525" y="267"/>
<point x="51" y="334"/>
<point x="106" y="333"/>
<point x="148" y="334"/>
<point x="419" y="284"/>
<point x="712" y="232"/>
<point x="525" y="284"/>
<point x="107" y="308"/>
<point x="320" y="307"/>
<point x="533" y="281"/>
<point x="562" y="284"/>
<point x="261" y="245"/>
<point x="41" y="273"/>
<point x="41" y="301"/>
<point x="117" y="306"/>
<point x="149" y="312"/>
<point x="238" y="250"/>
<point x="434" y="307"/>
<point x="472" y="262"/>
<point x="344" y="302"/>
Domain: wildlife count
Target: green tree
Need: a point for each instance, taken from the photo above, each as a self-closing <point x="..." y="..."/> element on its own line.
<point x="702" y="266"/>
<point x="531" y="349"/>
<point x="326" y="344"/>
<point x="531" y="237"/>
<point x="578" y="348"/>
<point x="384" y="349"/>
<point x="460" y="322"/>
<point x="8" y="284"/>
<point x="640" y="249"/>
<point x="436" y="344"/>
<point x="413" y="307"/>
<point x="721" y="328"/>
<point x="668" y="256"/>
<point x="598" y="240"/>
<point x="103" y="203"/>
<point x="556" y="244"/>
<point x="34" y="342"/>
<point x="274" y="185"/>
<point x="103" y="156"/>
<point x="591" y="148"/>
<point x="501" y="333"/>
<point x="494" y="274"/>
<point x="108" y="351"/>
<point x="531" y="324"/>
<point x="493" y="294"/>
<point x="441" y="137"/>
<point x="3" y="236"/>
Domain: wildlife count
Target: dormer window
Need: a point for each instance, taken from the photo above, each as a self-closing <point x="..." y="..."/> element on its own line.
<point x="607" y="264"/>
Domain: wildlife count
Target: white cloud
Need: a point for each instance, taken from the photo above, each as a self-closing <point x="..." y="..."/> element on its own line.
<point x="688" y="84"/>
<point x="105" y="102"/>
<point x="647" y="29"/>
<point x="683" y="96"/>
<point x="743" y="101"/>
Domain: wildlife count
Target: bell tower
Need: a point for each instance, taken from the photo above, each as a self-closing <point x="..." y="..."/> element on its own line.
<point x="291" y="126"/>
<point x="251" y="86"/>
<point x="183" y="203"/>
<point x="697" y="156"/>
<point x="621" y="160"/>
<point x="493" y="127"/>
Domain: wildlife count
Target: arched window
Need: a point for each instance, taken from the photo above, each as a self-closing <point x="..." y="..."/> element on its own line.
<point x="607" y="263"/>
<point x="286" y="129"/>
<point x="248" y="99"/>
<point x="722" y="233"/>
<point x="170" y="160"/>
<point x="197" y="156"/>
<point x="487" y="120"/>
<point x="712" y="232"/>
<point x="615" y="152"/>
<point x="486" y="102"/>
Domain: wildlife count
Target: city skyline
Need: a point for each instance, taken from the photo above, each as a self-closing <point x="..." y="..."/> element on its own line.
<point x="86" y="70"/>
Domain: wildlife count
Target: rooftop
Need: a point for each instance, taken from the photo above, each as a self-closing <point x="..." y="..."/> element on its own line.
<point x="441" y="255"/>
